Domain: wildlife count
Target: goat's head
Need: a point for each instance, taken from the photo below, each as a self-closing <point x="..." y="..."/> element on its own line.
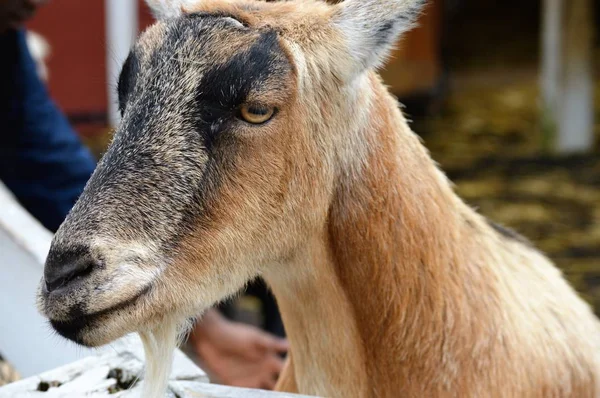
<point x="236" y="121"/>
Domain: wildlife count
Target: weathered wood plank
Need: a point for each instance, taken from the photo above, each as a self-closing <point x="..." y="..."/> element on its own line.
<point x="114" y="372"/>
<point x="116" y="366"/>
<point x="190" y="389"/>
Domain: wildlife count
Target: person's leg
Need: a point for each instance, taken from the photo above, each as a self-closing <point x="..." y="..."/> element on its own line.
<point x="42" y="160"/>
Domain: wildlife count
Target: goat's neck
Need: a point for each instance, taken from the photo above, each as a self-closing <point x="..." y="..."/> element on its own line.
<point x="366" y="293"/>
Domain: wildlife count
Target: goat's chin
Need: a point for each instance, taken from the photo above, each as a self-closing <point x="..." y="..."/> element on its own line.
<point x="95" y="330"/>
<point x="137" y="315"/>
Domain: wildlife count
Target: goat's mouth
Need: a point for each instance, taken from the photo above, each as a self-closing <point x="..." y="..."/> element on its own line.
<point x="91" y="329"/>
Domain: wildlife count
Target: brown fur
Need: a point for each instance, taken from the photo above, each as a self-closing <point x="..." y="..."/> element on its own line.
<point x="388" y="284"/>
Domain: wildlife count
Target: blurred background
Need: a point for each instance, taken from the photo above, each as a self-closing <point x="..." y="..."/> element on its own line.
<point x="506" y="96"/>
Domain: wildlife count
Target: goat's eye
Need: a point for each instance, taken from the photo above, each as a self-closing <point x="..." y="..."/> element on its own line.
<point x="256" y="114"/>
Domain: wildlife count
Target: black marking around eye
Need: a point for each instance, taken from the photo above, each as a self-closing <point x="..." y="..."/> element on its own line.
<point x="127" y="79"/>
<point x="225" y="87"/>
<point x="229" y="84"/>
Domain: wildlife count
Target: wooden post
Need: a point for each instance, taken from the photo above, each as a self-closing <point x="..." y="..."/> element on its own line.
<point x="566" y="75"/>
<point x="576" y="128"/>
<point x="121" y="32"/>
<point x="550" y="74"/>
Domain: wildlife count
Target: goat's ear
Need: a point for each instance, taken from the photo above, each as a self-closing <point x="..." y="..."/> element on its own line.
<point x="372" y="27"/>
<point x="163" y="9"/>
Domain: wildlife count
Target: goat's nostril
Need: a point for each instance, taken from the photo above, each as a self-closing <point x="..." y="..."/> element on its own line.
<point x="57" y="277"/>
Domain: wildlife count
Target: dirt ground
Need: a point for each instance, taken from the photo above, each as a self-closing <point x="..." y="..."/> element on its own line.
<point x="486" y="136"/>
<point x="488" y="141"/>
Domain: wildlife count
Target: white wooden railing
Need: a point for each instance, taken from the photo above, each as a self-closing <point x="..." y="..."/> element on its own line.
<point x="26" y="339"/>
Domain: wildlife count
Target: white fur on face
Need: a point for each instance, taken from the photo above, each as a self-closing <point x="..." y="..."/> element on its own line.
<point x="234" y="22"/>
<point x="130" y="267"/>
<point x="164" y="9"/>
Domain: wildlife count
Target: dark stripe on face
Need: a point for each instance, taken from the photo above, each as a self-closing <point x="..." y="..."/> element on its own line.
<point x="223" y="88"/>
<point x="229" y="84"/>
<point x="127" y="79"/>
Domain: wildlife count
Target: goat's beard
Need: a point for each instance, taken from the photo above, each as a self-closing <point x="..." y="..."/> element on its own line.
<point x="160" y="343"/>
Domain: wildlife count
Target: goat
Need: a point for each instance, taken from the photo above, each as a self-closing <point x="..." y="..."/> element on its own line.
<point x="257" y="139"/>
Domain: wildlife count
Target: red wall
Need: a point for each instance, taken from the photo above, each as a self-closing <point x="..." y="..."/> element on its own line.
<point x="75" y="31"/>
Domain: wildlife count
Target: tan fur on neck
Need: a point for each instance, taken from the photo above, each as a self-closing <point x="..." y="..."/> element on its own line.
<point x="411" y="293"/>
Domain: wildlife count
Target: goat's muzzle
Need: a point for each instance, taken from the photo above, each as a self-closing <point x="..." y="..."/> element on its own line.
<point x="84" y="289"/>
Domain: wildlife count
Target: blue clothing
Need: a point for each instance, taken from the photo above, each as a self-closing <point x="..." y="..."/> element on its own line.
<point x="42" y="160"/>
